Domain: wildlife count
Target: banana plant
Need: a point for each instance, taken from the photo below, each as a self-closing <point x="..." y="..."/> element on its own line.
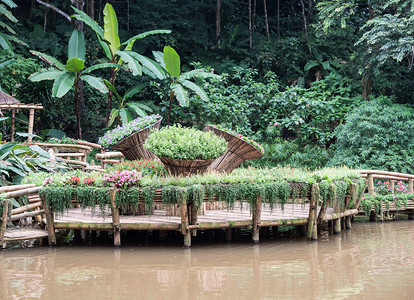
<point x="179" y="83"/>
<point x="126" y="109"/>
<point x="117" y="52"/>
<point x="69" y="75"/>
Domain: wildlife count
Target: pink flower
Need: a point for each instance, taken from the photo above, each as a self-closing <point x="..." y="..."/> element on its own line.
<point x="276" y="123"/>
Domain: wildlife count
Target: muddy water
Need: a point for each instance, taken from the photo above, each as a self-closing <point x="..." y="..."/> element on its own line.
<point x="372" y="261"/>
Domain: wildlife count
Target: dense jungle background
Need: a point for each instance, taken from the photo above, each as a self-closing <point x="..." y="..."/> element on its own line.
<point x="315" y="82"/>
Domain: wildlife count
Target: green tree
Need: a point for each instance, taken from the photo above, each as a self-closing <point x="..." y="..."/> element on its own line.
<point x="171" y="63"/>
<point x="69" y="75"/>
<point x="109" y="39"/>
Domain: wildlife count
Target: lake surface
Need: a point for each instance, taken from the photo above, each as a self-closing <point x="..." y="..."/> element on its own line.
<point x="371" y="261"/>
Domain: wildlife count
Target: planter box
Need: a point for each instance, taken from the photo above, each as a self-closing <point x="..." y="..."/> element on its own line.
<point x="238" y="151"/>
<point x="185" y="167"/>
<point x="132" y="147"/>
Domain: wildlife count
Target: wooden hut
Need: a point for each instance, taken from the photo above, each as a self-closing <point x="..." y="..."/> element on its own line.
<point x="7" y="102"/>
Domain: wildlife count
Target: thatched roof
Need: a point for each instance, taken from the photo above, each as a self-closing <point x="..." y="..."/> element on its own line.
<point x="7" y="99"/>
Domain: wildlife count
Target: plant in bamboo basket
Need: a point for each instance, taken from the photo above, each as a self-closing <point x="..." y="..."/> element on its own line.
<point x="240" y="149"/>
<point x="185" y="151"/>
<point x="130" y="138"/>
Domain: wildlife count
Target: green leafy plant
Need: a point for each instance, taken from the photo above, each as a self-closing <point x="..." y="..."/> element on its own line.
<point x="68" y="76"/>
<point x="377" y="135"/>
<point x="179" y="82"/>
<point x="145" y="166"/>
<point x="178" y="142"/>
<point x="126" y="109"/>
<point x="109" y="39"/>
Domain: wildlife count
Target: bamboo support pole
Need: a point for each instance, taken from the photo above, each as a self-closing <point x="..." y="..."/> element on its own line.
<point x="370" y="184"/>
<point x="313" y="208"/>
<point x="107" y="155"/>
<point x="392" y="186"/>
<point x="348" y="223"/>
<point x="193" y="219"/>
<point x="89" y="144"/>
<point x="13" y="122"/>
<point x="25" y="208"/>
<point x="64" y="146"/>
<point x="74" y="154"/>
<point x="12" y="188"/>
<point x="184" y="224"/>
<point x="27" y="214"/>
<point x="410" y="185"/>
<point x="50" y="224"/>
<point x="337" y="226"/>
<point x="31" y="122"/>
<point x="23" y="192"/>
<point x="256" y="220"/>
<point x="4" y="222"/>
<point x="115" y="219"/>
<point x="228" y="234"/>
<point x="328" y="202"/>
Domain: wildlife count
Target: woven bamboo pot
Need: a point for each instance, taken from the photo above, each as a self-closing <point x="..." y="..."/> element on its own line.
<point x="132" y="147"/>
<point x="185" y="167"/>
<point x="238" y="151"/>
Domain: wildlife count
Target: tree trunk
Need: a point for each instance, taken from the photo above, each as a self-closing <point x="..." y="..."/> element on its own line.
<point x="266" y="20"/>
<point x="170" y="107"/>
<point x="110" y="95"/>
<point x="79" y="4"/>
<point x="250" y="24"/>
<point x="77" y="113"/>
<point x="91" y="9"/>
<point x="278" y="19"/>
<point x="254" y="16"/>
<point x="305" y="26"/>
<point x="366" y="87"/>
<point x="310" y="10"/>
<point x="218" y="21"/>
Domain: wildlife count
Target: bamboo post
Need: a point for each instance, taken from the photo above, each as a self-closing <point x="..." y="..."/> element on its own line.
<point x="392" y="186"/>
<point x="13" y="122"/>
<point x="31" y="121"/>
<point x="115" y="219"/>
<point x="50" y="223"/>
<point x="194" y="213"/>
<point x="256" y="220"/>
<point x="228" y="234"/>
<point x="184" y="223"/>
<point x="348" y="224"/>
<point x="410" y="185"/>
<point x="337" y="226"/>
<point x="313" y="209"/>
<point x="4" y="222"/>
<point x="371" y="184"/>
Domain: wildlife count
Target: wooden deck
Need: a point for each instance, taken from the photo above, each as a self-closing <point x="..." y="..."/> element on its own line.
<point x="292" y="214"/>
<point x="17" y="234"/>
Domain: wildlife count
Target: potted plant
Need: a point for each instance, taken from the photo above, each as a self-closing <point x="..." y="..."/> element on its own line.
<point x="240" y="149"/>
<point x="129" y="138"/>
<point x="185" y="151"/>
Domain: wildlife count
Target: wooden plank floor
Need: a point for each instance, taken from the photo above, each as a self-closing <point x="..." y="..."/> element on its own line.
<point x="16" y="234"/>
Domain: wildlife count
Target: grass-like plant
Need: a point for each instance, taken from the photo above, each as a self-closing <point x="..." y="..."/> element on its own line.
<point x="112" y="137"/>
<point x="179" y="142"/>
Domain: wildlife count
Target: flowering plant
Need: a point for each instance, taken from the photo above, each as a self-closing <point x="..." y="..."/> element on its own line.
<point x="123" y="179"/>
<point x="73" y="180"/>
<point x="89" y="181"/>
<point x="112" y="137"/>
<point x="246" y="139"/>
<point x="384" y="188"/>
<point x="147" y="167"/>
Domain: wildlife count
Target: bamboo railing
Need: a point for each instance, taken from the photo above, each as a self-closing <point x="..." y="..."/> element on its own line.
<point x="33" y="209"/>
<point x="392" y="177"/>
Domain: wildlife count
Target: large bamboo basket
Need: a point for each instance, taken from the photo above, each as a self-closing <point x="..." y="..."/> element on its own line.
<point x="132" y="147"/>
<point x="238" y="151"/>
<point x="185" y="167"/>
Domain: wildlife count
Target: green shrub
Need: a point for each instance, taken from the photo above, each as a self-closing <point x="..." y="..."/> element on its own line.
<point x="145" y="166"/>
<point x="178" y="142"/>
<point x="378" y="135"/>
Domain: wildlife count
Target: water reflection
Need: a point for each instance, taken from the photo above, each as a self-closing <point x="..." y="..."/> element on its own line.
<point x="371" y="261"/>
